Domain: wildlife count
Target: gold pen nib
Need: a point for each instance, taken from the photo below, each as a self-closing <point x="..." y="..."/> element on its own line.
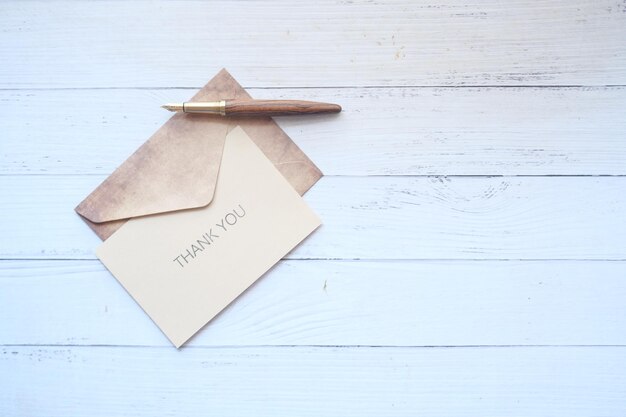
<point x="173" y="106"/>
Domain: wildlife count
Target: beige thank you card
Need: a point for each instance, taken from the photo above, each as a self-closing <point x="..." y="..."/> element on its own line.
<point x="184" y="267"/>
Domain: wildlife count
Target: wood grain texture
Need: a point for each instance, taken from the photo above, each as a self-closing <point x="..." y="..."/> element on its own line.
<point x="313" y="381"/>
<point x="326" y="43"/>
<point x="389" y="131"/>
<point x="375" y="218"/>
<point x="402" y="303"/>
<point x="278" y="107"/>
<point x="489" y="88"/>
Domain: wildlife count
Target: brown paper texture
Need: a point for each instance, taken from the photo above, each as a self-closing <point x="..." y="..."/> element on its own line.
<point x="177" y="167"/>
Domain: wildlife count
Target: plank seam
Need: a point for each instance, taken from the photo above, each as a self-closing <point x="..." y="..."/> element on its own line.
<point x="19" y="345"/>
<point x="377" y="260"/>
<point x="344" y="87"/>
<point x="477" y="176"/>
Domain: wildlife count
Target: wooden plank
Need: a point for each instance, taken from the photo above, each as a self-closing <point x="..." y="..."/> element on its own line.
<point x="335" y="303"/>
<point x="375" y="218"/>
<point x="326" y="43"/>
<point x="311" y="381"/>
<point x="397" y="131"/>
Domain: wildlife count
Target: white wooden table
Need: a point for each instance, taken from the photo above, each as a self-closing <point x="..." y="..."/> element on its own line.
<point x="472" y="260"/>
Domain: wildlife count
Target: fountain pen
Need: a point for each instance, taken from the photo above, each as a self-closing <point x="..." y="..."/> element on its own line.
<point x="254" y="107"/>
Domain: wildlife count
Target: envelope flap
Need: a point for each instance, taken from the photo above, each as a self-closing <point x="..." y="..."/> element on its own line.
<point x="175" y="169"/>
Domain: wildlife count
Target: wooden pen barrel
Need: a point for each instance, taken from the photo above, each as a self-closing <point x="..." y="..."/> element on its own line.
<point x="278" y="107"/>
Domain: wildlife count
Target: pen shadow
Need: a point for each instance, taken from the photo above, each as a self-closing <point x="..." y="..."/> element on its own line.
<point x="284" y="122"/>
<point x="306" y="119"/>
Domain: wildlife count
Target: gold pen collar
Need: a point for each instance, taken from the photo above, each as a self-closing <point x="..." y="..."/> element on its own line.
<point x="212" y="107"/>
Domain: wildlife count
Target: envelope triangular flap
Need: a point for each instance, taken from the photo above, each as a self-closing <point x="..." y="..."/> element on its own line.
<point x="177" y="168"/>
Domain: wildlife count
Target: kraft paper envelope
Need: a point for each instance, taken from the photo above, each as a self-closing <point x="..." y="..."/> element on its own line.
<point x="177" y="167"/>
